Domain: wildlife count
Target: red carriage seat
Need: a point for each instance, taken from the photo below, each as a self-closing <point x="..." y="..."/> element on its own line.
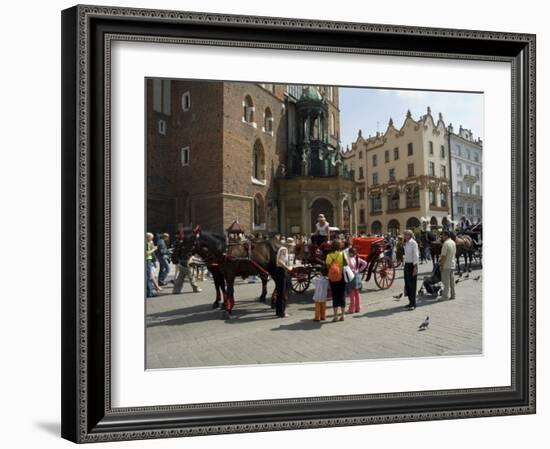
<point x="363" y="245"/>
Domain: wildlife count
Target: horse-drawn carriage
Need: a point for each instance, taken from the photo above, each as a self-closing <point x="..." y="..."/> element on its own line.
<point x="370" y="249"/>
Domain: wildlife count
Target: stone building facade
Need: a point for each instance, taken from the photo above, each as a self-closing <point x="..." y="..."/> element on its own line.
<point x="467" y="174"/>
<point x="403" y="176"/>
<point x="224" y="151"/>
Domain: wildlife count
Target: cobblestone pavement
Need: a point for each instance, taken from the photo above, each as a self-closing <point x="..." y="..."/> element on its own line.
<point x="184" y="331"/>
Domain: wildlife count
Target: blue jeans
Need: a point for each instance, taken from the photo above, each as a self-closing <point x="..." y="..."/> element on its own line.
<point x="164" y="269"/>
<point x="149" y="282"/>
<point x="427" y="253"/>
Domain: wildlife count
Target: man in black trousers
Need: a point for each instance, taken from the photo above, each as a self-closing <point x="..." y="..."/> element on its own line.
<point x="411" y="268"/>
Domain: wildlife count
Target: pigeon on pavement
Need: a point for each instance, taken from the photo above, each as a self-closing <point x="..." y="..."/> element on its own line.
<point x="457" y="281"/>
<point x="424" y="325"/>
<point x="467" y="276"/>
<point x="477" y="278"/>
<point x="398" y="296"/>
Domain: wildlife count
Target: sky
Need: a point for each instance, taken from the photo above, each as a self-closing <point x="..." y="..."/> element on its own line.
<point x="370" y="109"/>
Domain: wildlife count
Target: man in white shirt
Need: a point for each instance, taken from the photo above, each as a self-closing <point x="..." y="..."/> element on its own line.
<point x="447" y="265"/>
<point x="321" y="231"/>
<point x="410" y="270"/>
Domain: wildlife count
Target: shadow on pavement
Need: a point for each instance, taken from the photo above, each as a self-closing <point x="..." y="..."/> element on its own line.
<point x="420" y="302"/>
<point x="302" y="325"/>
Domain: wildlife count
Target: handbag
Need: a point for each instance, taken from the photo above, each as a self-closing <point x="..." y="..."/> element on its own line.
<point x="349" y="275"/>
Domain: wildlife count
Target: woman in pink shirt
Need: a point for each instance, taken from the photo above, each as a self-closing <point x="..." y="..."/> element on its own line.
<point x="357" y="265"/>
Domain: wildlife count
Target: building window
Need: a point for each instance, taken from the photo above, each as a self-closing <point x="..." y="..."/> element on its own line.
<point x="443" y="199"/>
<point x="376" y="203"/>
<point x="431" y="195"/>
<point x="259" y="162"/>
<point x="476" y="156"/>
<point x="460" y="187"/>
<point x="410" y="170"/>
<point x="443" y="171"/>
<point x="375" y="179"/>
<point x="248" y="109"/>
<point x="362" y="216"/>
<point x="362" y="193"/>
<point x="295" y="90"/>
<point x="460" y="209"/>
<point x="459" y="150"/>
<point x="431" y="148"/>
<point x="332" y="124"/>
<point x="361" y="175"/>
<point x="268" y="121"/>
<point x="478" y="212"/>
<point x="459" y="168"/>
<point x="477" y="173"/>
<point x="360" y="155"/>
<point x="387" y="156"/>
<point x="442" y="152"/>
<point x="392" y="174"/>
<point x="410" y="149"/>
<point x="396" y="154"/>
<point x="470" y="210"/>
<point x="259" y="211"/>
<point x="468" y="155"/>
<point x="374" y="160"/>
<point x="186" y="101"/>
<point x="393" y="200"/>
<point x="185" y="156"/>
<point x="431" y="169"/>
<point x="468" y="170"/>
<point x="162" y="127"/>
<point x="478" y="190"/>
<point x="162" y="96"/>
<point x="413" y="197"/>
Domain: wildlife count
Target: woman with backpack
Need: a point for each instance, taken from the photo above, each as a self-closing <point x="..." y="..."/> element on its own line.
<point x="335" y="263"/>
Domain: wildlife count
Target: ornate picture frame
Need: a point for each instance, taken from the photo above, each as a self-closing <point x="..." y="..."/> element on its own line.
<point x="87" y="34"/>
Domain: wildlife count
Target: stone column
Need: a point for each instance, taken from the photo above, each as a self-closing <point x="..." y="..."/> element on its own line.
<point x="282" y="225"/>
<point x="305" y="225"/>
<point x="339" y="213"/>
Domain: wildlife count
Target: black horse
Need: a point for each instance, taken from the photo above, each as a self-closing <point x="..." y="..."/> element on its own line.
<point x="226" y="262"/>
<point x="191" y="241"/>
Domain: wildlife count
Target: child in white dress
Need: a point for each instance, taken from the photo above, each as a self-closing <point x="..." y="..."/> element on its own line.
<point x="320" y="295"/>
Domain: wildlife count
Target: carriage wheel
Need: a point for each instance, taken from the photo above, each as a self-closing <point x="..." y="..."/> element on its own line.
<point x="300" y="279"/>
<point x="384" y="273"/>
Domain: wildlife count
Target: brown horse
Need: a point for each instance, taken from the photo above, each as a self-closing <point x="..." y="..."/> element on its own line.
<point x="464" y="247"/>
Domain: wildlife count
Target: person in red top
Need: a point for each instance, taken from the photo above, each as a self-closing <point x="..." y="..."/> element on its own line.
<point x="357" y="265"/>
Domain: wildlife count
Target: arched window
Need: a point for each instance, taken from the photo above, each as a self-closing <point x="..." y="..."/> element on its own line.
<point x="268" y="120"/>
<point x="376" y="227"/>
<point x="258" y="158"/>
<point x="413" y="223"/>
<point x="393" y="227"/>
<point x="248" y="109"/>
<point x="259" y="211"/>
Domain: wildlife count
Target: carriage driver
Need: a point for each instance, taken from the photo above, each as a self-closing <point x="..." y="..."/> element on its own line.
<point x="321" y="232"/>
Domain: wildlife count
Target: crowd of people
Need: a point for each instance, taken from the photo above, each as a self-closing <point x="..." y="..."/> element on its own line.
<point x="339" y="279"/>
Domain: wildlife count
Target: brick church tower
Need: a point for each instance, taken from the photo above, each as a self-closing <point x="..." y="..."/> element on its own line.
<point x="224" y="151"/>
